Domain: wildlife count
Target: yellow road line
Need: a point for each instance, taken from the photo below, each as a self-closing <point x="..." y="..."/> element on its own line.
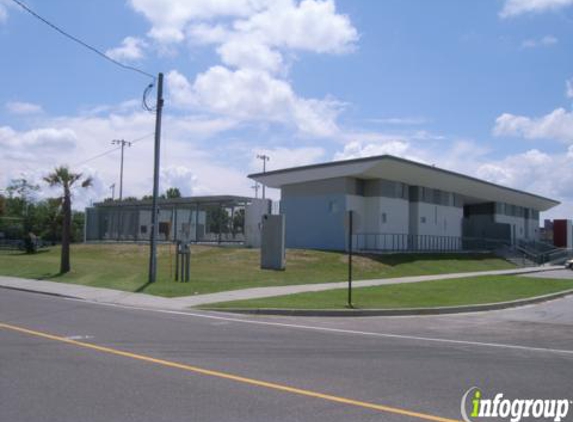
<point x="224" y="375"/>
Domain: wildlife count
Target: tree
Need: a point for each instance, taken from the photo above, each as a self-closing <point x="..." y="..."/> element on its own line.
<point x="66" y="179"/>
<point x="172" y="193"/>
<point x="20" y="196"/>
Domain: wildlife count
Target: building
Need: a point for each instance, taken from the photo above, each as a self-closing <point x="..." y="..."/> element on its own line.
<point x="400" y="205"/>
<point x="559" y="233"/>
<point x="206" y="219"/>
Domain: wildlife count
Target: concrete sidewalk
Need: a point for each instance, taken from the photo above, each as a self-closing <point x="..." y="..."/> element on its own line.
<point x="96" y="294"/>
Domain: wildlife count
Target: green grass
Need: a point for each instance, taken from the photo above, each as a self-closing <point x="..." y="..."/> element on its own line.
<point x="428" y="294"/>
<point x="214" y="269"/>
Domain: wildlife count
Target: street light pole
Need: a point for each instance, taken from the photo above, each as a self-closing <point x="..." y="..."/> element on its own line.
<point x="265" y="158"/>
<point x="112" y="187"/>
<point x="123" y="143"/>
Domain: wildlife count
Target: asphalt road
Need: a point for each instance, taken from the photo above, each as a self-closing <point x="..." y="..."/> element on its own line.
<point x="136" y="365"/>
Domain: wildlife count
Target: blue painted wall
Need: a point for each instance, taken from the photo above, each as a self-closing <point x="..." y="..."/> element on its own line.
<point x="311" y="221"/>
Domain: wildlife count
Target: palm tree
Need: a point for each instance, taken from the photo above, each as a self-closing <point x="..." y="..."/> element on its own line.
<point x="66" y="179"/>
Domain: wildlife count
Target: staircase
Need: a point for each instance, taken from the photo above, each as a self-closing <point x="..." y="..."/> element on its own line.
<point x="543" y="253"/>
<point x="517" y="258"/>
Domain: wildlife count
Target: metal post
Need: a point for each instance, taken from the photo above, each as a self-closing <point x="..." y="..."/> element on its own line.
<point x="197" y="223"/>
<point x="154" y="210"/>
<point x="182" y="262"/>
<point x="177" y="249"/>
<point x="187" y="261"/>
<point x="349" y="304"/>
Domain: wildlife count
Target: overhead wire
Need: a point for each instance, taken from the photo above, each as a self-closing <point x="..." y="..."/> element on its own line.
<point x="109" y="151"/>
<point x="82" y="43"/>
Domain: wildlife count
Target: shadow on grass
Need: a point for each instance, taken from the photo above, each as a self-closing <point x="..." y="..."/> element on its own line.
<point x="393" y="260"/>
<point x="50" y="276"/>
<point x="142" y="288"/>
<point x="24" y="253"/>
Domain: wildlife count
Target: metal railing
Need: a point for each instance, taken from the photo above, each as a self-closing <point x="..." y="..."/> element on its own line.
<point x="396" y="242"/>
<point x="541" y="252"/>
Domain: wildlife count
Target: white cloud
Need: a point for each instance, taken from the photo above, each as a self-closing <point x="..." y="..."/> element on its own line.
<point x="169" y="19"/>
<point x="247" y="53"/>
<point x="518" y="7"/>
<point x="311" y="25"/>
<point x="546" y="41"/>
<point x="400" y="121"/>
<point x="20" y="107"/>
<point x="358" y="149"/>
<point x="251" y="37"/>
<point x="3" y="13"/>
<point x="34" y="143"/>
<point x="556" y="125"/>
<point x="131" y="49"/>
<point x="230" y="93"/>
<point x="549" y="175"/>
<point x="72" y="140"/>
<point x="282" y="157"/>
<point x="180" y="177"/>
<point x="569" y="88"/>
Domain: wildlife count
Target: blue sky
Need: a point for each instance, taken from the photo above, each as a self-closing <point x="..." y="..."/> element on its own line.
<point x="480" y="87"/>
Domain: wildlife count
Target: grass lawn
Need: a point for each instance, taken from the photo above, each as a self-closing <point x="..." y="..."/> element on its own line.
<point x="460" y="291"/>
<point x="213" y="269"/>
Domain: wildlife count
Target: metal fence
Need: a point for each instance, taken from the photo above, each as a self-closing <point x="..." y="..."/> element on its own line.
<point x="394" y="242"/>
<point x="205" y="223"/>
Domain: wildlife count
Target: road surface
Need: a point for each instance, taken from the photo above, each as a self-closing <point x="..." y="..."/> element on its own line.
<point x="69" y="360"/>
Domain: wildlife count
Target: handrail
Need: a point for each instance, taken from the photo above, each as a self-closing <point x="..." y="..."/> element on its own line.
<point x="435" y="243"/>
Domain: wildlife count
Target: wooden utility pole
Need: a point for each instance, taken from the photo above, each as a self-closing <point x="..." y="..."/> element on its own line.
<point x="154" y="207"/>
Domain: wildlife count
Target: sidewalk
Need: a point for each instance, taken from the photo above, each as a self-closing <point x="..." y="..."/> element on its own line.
<point x="96" y="294"/>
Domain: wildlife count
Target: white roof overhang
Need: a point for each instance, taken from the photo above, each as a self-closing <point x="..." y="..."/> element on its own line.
<point x="412" y="173"/>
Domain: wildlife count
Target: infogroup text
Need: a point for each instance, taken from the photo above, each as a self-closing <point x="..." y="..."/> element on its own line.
<point x="514" y="410"/>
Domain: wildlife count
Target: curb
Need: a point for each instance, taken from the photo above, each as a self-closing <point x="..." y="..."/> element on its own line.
<point x="40" y="292"/>
<point x="393" y="312"/>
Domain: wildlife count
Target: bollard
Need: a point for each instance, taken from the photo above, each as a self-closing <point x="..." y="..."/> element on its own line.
<point x="187" y="261"/>
<point x="183" y="262"/>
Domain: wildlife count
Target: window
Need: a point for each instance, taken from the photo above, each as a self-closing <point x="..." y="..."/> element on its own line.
<point x="383" y="218"/>
<point x="143" y="229"/>
<point x="423" y="220"/>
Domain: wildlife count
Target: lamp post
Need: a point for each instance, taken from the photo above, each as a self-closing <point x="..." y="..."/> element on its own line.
<point x="265" y="158"/>
<point x="256" y="188"/>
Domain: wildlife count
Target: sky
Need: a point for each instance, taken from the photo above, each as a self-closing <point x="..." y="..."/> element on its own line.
<point x="481" y="87"/>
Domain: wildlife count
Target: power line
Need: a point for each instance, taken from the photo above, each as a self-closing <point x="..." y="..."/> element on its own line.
<point x="82" y="43"/>
<point x="109" y="151"/>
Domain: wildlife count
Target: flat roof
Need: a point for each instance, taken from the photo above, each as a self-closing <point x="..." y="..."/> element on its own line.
<point x="410" y="172"/>
<point x="190" y="200"/>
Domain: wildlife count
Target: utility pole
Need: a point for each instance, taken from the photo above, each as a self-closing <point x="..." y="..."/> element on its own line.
<point x="265" y="158"/>
<point x="112" y="187"/>
<point x="154" y="208"/>
<point x="256" y="188"/>
<point x="123" y="143"/>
